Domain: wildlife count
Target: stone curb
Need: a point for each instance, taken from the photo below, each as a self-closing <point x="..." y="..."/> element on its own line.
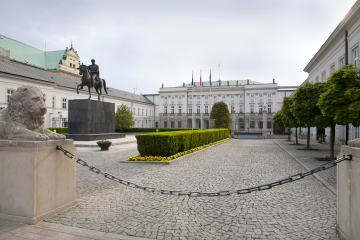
<point x="113" y="144"/>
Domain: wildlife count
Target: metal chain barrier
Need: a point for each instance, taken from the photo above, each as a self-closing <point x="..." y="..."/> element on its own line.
<point x="290" y="179"/>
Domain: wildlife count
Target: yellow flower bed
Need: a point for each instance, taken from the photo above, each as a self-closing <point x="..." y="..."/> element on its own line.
<point x="165" y="159"/>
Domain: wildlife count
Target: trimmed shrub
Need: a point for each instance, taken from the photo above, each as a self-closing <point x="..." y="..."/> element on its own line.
<point x="149" y="130"/>
<point x="169" y="143"/>
<point x="60" y="130"/>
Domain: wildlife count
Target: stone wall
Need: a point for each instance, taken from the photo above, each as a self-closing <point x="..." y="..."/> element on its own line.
<point x="348" y="196"/>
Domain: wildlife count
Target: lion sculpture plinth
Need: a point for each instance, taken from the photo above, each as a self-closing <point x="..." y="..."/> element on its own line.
<point x="23" y="119"/>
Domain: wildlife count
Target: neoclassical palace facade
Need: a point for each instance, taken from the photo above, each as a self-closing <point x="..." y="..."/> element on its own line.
<point x="190" y="106"/>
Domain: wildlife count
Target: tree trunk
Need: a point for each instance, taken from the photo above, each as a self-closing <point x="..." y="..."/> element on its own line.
<point x="332" y="141"/>
<point x="289" y="134"/>
<point x="308" y="139"/>
<point x="296" y="136"/>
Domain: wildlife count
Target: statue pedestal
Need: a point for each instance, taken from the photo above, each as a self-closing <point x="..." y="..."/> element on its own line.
<point x="36" y="180"/>
<point x="91" y="120"/>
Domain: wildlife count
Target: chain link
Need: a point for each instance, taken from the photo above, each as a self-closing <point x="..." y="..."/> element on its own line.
<point x="290" y="179"/>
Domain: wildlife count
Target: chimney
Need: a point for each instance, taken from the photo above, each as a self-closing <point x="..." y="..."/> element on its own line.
<point x="248" y="82"/>
<point x="273" y="80"/>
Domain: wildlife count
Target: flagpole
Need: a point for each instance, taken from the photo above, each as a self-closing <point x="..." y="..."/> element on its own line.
<point x="219" y="70"/>
<point x="201" y="125"/>
<point x="210" y="94"/>
<point x="192" y="97"/>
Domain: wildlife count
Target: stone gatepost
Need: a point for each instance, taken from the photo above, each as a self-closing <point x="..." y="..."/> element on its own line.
<point x="232" y="124"/>
<point x="36" y="180"/>
<point x="264" y="129"/>
<point x="348" y="192"/>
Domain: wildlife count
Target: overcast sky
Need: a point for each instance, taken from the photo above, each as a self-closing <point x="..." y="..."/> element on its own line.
<point x="143" y="43"/>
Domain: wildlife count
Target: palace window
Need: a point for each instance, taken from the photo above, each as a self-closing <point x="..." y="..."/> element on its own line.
<point x="323" y="76"/>
<point x="165" y="109"/>
<point x="269" y="94"/>
<point x="241" y="123"/>
<point x="9" y="93"/>
<point x="232" y="96"/>
<point x="252" y="95"/>
<point x="252" y="124"/>
<point x="53" y="102"/>
<point x="355" y="57"/>
<point x="179" y="109"/>
<point x="165" y="124"/>
<point x="64" y="103"/>
<point x="172" y="124"/>
<point x="260" y="95"/>
<point x="172" y="109"/>
<point x="332" y="68"/>
<point x="241" y="108"/>
<point x="252" y="108"/>
<point x="269" y="108"/>
<point x="260" y="108"/>
<point x="206" y="109"/>
<point x="260" y="124"/>
<point x="179" y="124"/>
<point x="206" y="97"/>
<point x="342" y="61"/>
<point x="190" y="109"/>
<point x="198" y="97"/>
<point x="197" y="109"/>
<point x="142" y="112"/>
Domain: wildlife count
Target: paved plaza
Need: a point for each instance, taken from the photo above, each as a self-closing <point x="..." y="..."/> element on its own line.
<point x="305" y="209"/>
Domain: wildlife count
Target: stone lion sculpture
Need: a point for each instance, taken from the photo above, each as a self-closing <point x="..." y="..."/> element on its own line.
<point x="24" y="117"/>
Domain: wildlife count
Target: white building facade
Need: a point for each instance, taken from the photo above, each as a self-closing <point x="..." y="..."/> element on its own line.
<point x="342" y="47"/>
<point x="189" y="106"/>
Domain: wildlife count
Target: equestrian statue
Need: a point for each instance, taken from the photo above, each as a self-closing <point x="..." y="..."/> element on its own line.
<point x="91" y="79"/>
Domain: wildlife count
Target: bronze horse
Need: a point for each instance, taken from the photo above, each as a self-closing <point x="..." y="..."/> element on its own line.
<point x="86" y="80"/>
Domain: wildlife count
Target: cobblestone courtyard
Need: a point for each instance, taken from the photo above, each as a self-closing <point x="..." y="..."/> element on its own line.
<point x="305" y="209"/>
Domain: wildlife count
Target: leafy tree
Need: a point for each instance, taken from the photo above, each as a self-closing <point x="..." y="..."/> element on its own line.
<point x="342" y="98"/>
<point x="221" y="113"/>
<point x="286" y="118"/>
<point x="124" y="118"/>
<point x="305" y="108"/>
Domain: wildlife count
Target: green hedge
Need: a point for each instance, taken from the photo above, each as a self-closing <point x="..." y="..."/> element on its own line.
<point x="169" y="143"/>
<point x="148" y="130"/>
<point x="59" y="129"/>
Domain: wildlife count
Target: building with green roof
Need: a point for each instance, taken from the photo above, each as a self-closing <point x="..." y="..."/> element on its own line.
<point x="63" y="62"/>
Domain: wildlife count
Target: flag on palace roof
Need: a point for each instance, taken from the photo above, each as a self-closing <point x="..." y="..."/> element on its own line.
<point x="192" y="79"/>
